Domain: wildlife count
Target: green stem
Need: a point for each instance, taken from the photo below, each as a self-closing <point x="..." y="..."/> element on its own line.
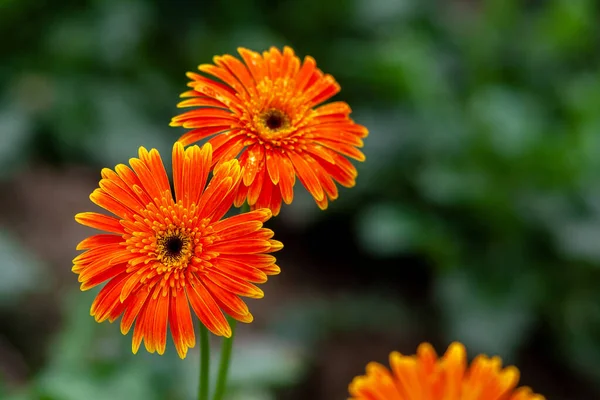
<point x="226" y="348"/>
<point x="203" y="387"/>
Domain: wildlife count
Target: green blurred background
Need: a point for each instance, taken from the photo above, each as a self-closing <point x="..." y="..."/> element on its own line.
<point x="476" y="216"/>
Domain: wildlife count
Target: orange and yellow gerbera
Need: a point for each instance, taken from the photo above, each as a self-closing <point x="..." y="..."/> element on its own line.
<point x="427" y="377"/>
<point x="160" y="254"/>
<point x="267" y="108"/>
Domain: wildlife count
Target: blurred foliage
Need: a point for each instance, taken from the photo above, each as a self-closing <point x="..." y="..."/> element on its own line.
<point x="495" y="178"/>
<point x="482" y="160"/>
<point x="20" y="271"/>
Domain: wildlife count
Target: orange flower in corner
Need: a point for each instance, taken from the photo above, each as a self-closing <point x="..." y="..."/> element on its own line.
<point x="267" y="108"/>
<point x="425" y="377"/>
<point x="161" y="254"/>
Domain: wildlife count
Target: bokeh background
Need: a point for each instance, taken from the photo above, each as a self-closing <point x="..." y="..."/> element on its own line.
<point x="476" y="216"/>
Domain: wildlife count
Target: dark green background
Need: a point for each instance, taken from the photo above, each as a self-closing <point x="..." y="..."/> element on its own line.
<point x="476" y="216"/>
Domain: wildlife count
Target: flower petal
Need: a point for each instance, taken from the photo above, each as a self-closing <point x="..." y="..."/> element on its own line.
<point x="99" y="221"/>
<point x="206" y="309"/>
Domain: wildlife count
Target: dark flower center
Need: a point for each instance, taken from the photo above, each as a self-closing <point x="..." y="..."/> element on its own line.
<point x="274" y="121"/>
<point x="173" y="245"/>
<point x="174" y="248"/>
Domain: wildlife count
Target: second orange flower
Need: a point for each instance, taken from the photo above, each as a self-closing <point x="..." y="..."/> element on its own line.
<point x="267" y="111"/>
<point x="425" y="376"/>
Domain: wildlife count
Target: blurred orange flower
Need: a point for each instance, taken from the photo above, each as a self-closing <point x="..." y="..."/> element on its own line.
<point x="162" y="254"/>
<point x="266" y="109"/>
<point x="425" y="377"/>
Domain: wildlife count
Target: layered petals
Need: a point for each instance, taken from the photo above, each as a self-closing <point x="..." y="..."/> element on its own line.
<point x="169" y="252"/>
<point x="266" y="109"/>
<point x="424" y="376"/>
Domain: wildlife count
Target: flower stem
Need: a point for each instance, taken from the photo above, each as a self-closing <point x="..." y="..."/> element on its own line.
<point x="225" y="361"/>
<point x="203" y="387"/>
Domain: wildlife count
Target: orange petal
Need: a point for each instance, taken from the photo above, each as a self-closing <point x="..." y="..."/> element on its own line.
<point x="305" y="73"/>
<point x="343" y="148"/>
<point x="103" y="252"/>
<point x="132" y="181"/>
<point x="204" y="114"/>
<point x="261" y="215"/>
<point x="206" y="309"/>
<point x="240" y="270"/>
<point x="256" y="187"/>
<point x="405" y="371"/>
<point x="276" y="201"/>
<point x="322" y="90"/>
<point x="287" y="177"/>
<point x="341" y="170"/>
<point x="218" y="196"/>
<point x="198" y="134"/>
<point x="149" y="185"/>
<point x="159" y="333"/>
<point x="139" y="329"/>
<point x="306" y="175"/>
<point x="230" y="303"/>
<point x="237" y="231"/>
<point x="118" y="190"/>
<point x="99" y="240"/>
<point x="254" y="62"/>
<point x="156" y="167"/>
<point x="103" y="200"/>
<point x="455" y="364"/>
<point x="213" y="89"/>
<point x="107" y="298"/>
<point x="132" y="311"/>
<point x="290" y="64"/>
<point x="180" y="321"/>
<point x="252" y="160"/>
<point x="235" y="285"/>
<point x="103" y="276"/>
<point x="95" y="268"/>
<point x="222" y="124"/>
<point x="241" y="246"/>
<point x="427" y="357"/>
<point x="99" y="221"/>
<point x="259" y="261"/>
<point x="337" y="108"/>
<point x="228" y="145"/>
<point x="240" y="196"/>
<point x="192" y="171"/>
<point x="222" y="74"/>
<point x="198" y="100"/>
<point x="272" y="167"/>
<point x="264" y="198"/>
<point x="239" y="70"/>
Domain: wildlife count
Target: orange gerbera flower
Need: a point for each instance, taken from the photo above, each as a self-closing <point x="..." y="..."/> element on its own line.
<point x="266" y="108"/>
<point x="162" y="254"/>
<point x="425" y="377"/>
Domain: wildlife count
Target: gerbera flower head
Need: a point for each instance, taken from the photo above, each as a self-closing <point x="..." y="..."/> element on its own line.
<point x="161" y="253"/>
<point x="424" y="376"/>
<point x="266" y="109"/>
